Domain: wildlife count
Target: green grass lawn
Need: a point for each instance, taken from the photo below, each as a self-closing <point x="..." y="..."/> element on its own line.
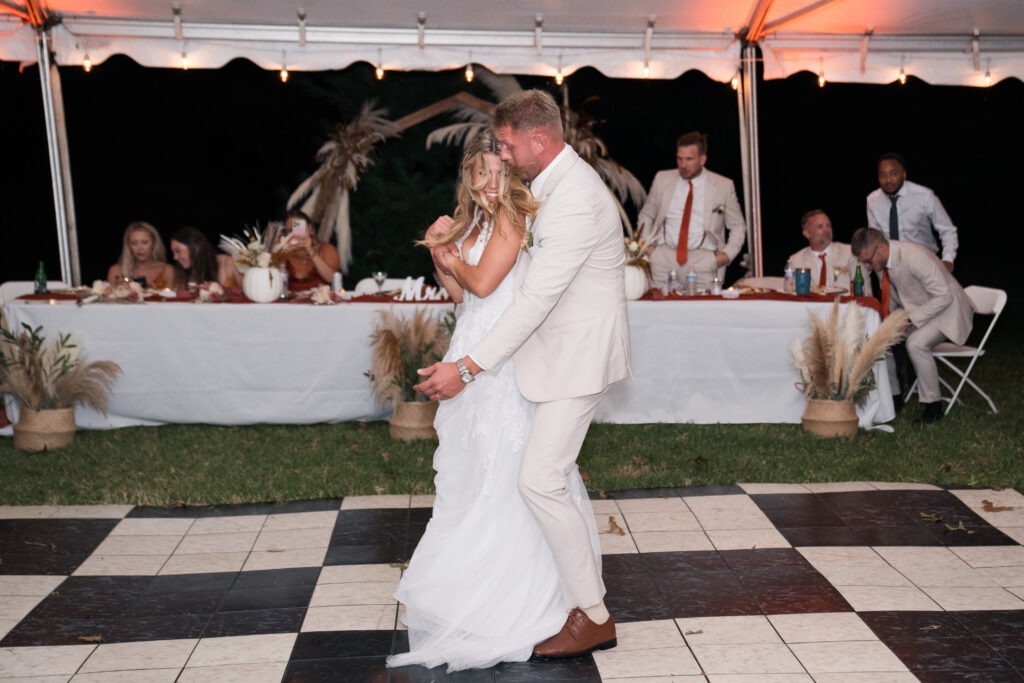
<point x="196" y="464"/>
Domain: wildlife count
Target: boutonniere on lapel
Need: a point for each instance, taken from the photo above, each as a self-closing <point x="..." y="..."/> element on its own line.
<point x="837" y="271"/>
<point x="719" y="209"/>
<point x="527" y="241"/>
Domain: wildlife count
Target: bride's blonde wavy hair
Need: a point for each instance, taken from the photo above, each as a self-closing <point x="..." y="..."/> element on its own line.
<point x="514" y="199"/>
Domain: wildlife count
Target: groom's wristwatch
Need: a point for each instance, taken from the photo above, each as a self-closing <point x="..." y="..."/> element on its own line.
<point x="465" y="375"/>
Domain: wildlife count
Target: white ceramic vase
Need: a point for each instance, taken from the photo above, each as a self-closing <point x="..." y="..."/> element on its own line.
<point x="262" y="285"/>
<point x="636" y="282"/>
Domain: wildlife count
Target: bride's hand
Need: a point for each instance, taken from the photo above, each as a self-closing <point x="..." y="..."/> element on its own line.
<point x="440" y="228"/>
<point x="440" y="254"/>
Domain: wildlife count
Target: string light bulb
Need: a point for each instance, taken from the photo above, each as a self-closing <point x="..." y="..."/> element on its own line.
<point x="647" y="68"/>
<point x="735" y="82"/>
<point x="559" y="77"/>
<point x="87" y="63"/>
<point x="821" y="79"/>
<point x="988" y="78"/>
<point x="284" y="74"/>
<point x="903" y="75"/>
<point x="469" y="73"/>
<point x="184" y="62"/>
<point x="380" y="67"/>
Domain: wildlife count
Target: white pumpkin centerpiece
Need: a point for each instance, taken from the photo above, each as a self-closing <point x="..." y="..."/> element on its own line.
<point x="637" y="272"/>
<point x="636" y="282"/>
<point x="259" y="257"/>
<point x="262" y="285"/>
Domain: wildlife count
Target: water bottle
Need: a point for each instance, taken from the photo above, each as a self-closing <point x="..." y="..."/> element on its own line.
<point x="284" y="283"/>
<point x="336" y="282"/>
<point x="691" y="283"/>
<point x="716" y="285"/>
<point x="789" y="279"/>
<point x="41" y="279"/>
<point x="672" y="284"/>
<point x="857" y="286"/>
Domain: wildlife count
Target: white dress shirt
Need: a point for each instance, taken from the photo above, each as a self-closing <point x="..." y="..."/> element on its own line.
<point x="538" y="182"/>
<point x="674" y="214"/>
<point x="920" y="211"/>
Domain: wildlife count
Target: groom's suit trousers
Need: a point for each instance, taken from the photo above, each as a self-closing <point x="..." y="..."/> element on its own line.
<point x="551" y="450"/>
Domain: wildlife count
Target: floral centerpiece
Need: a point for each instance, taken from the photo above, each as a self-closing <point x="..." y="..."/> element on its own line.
<point x="638" y="265"/>
<point x="49" y="379"/>
<point x="835" y="362"/>
<point x="259" y="256"/>
<point x="401" y="346"/>
<point x="127" y="293"/>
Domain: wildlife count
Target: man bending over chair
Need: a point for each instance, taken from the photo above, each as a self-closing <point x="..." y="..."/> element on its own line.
<point x="913" y="278"/>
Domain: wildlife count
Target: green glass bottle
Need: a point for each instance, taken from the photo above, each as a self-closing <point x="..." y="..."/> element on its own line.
<point x="41" y="279"/>
<point x="858" y="283"/>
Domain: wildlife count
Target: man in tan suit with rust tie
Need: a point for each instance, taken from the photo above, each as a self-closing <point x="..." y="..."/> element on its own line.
<point x="913" y="278"/>
<point x="568" y="330"/>
<point x="692" y="205"/>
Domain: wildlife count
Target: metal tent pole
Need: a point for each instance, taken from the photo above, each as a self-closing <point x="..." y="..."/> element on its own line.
<point x="741" y="103"/>
<point x="60" y="173"/>
<point x="750" y="83"/>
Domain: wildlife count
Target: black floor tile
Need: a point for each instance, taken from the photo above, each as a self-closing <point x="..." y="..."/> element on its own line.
<point x="993" y="622"/>
<point x="899" y="624"/>
<point x="771" y="501"/>
<point x="911" y="534"/>
<point x="695" y="560"/>
<point x="622" y="563"/>
<point x="643" y="493"/>
<point x="800" y="537"/>
<point x="365" y="554"/>
<point x="418" y="674"/>
<point x="806" y="516"/>
<point x="165" y="627"/>
<point x="341" y="644"/>
<point x="710" y="490"/>
<point x="1010" y="648"/>
<point x="276" y="578"/>
<point x="34" y="631"/>
<point x="972" y="536"/>
<point x="255" y="622"/>
<point x="797" y="599"/>
<point x="575" y="669"/>
<point x="970" y="676"/>
<point x="763" y="558"/>
<point x="191" y="602"/>
<point x="183" y="583"/>
<point x="935" y="653"/>
<point x="274" y="597"/>
<point x="236" y="510"/>
<point x="351" y="670"/>
<point x="49" y="546"/>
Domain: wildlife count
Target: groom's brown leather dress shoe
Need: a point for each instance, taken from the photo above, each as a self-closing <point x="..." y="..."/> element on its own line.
<point x="578" y="637"/>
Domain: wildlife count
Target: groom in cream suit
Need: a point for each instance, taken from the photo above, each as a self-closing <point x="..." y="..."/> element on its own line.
<point x="694" y="203"/>
<point x="568" y="332"/>
<point x="913" y="278"/>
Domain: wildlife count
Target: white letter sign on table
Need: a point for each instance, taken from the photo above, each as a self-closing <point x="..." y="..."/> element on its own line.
<point x="413" y="290"/>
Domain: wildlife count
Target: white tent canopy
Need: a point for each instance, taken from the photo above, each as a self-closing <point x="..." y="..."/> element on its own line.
<point x="950" y="42"/>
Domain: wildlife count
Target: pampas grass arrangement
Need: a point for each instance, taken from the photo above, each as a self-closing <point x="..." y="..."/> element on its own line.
<point x="400" y="347"/>
<point x="47" y="376"/>
<point x="835" y="360"/>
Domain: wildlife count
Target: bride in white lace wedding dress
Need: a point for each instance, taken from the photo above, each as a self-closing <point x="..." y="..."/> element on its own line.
<point x="482" y="586"/>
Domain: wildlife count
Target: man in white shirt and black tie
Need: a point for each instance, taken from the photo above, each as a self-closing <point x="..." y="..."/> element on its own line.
<point x="909" y="212"/>
<point x="692" y="205"/>
<point x="831" y="263"/>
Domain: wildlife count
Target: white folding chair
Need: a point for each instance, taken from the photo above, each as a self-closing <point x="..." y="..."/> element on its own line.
<point x="987" y="301"/>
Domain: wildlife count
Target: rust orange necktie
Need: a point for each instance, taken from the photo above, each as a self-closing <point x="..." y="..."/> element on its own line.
<point x="684" y="227"/>
<point x="886" y="286"/>
<point x="823" y="280"/>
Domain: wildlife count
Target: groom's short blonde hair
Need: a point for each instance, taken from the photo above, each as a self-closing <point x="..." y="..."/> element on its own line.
<point x="528" y="109"/>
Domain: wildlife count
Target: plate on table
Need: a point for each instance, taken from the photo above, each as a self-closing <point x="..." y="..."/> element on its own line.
<point x="828" y="289"/>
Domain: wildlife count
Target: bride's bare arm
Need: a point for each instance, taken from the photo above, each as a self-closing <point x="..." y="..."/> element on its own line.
<point x="497" y="260"/>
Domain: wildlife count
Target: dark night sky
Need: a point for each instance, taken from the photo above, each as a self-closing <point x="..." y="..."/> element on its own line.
<point x="223" y="149"/>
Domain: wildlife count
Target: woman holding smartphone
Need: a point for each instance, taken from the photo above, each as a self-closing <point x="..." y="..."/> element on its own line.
<point x="310" y="263"/>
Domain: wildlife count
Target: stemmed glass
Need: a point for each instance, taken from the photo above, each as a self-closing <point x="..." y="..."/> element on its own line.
<point x="379" y="276"/>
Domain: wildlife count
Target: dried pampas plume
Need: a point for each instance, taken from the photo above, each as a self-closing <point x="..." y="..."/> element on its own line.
<point x="400" y="347"/>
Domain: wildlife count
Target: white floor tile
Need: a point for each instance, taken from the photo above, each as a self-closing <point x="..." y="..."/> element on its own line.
<point x="121" y="565"/>
<point x="90" y="511"/>
<point x="138" y="545"/>
<point x="263" y="672"/>
<point x="774" y="488"/>
<point x="903" y="486"/>
<point x="842" y="556"/>
<point x="844" y="657"/>
<point x="751" y="658"/>
<point x="991" y="555"/>
<point x="129" y="676"/>
<point x="1014" y="532"/>
<point x="821" y="627"/>
<point x="887" y="598"/>
<point x="605" y="506"/>
<point x="422" y="501"/>
<point x="760" y="678"/>
<point x="275" y="647"/>
<point x="350" y="618"/>
<point x="358" y="573"/>
<point x="153" y="654"/>
<point x="26" y="511"/>
<point x="375" y="502"/>
<point x="231" y="542"/>
<point x="873" y="677"/>
<point x="680" y="520"/>
<point x="16" y="607"/>
<point x="667" y="661"/>
<point x="615" y="543"/>
<point x="930" y="566"/>
<point x="743" y="539"/>
<point x="285" y="559"/>
<point x="740" y="630"/>
<point x="301" y="520"/>
<point x="43" y="661"/>
<point x="319" y="537"/>
<point x="371" y="593"/>
<point x="648" y="635"/>
<point x="628" y="505"/>
<point x="29" y="584"/>
<point x="863" y="576"/>
<point x="6" y="625"/>
<point x="203" y="563"/>
<point x="672" y="541"/>
<point x="961" y="598"/>
<point x="728" y="512"/>
<point x="141" y="526"/>
<point x="228" y="525"/>
<point x="839" y="486"/>
<point x="36" y="679"/>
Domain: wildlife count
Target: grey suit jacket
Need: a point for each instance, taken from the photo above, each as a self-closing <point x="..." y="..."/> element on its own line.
<point x="928" y="291"/>
<point x="567" y="326"/>
<point x="718" y="193"/>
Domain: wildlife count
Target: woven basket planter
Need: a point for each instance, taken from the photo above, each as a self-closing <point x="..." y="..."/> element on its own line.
<point x="830" y="418"/>
<point x="412" y="420"/>
<point x="44" y="430"/>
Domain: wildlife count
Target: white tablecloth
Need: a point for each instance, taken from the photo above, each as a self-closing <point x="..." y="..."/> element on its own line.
<point x="695" y="361"/>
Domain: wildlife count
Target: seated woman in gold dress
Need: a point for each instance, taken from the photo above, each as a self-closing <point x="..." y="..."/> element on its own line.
<point x="142" y="255"/>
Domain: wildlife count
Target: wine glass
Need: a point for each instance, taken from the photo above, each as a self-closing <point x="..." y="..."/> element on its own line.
<point x="379" y="276"/>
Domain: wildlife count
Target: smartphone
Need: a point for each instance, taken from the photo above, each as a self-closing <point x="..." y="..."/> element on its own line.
<point x="299" y="227"/>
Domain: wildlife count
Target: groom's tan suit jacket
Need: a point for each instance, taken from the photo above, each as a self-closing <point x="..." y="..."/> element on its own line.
<point x="567" y="326"/>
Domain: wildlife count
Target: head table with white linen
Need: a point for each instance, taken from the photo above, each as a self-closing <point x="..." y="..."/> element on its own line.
<point x="702" y="361"/>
